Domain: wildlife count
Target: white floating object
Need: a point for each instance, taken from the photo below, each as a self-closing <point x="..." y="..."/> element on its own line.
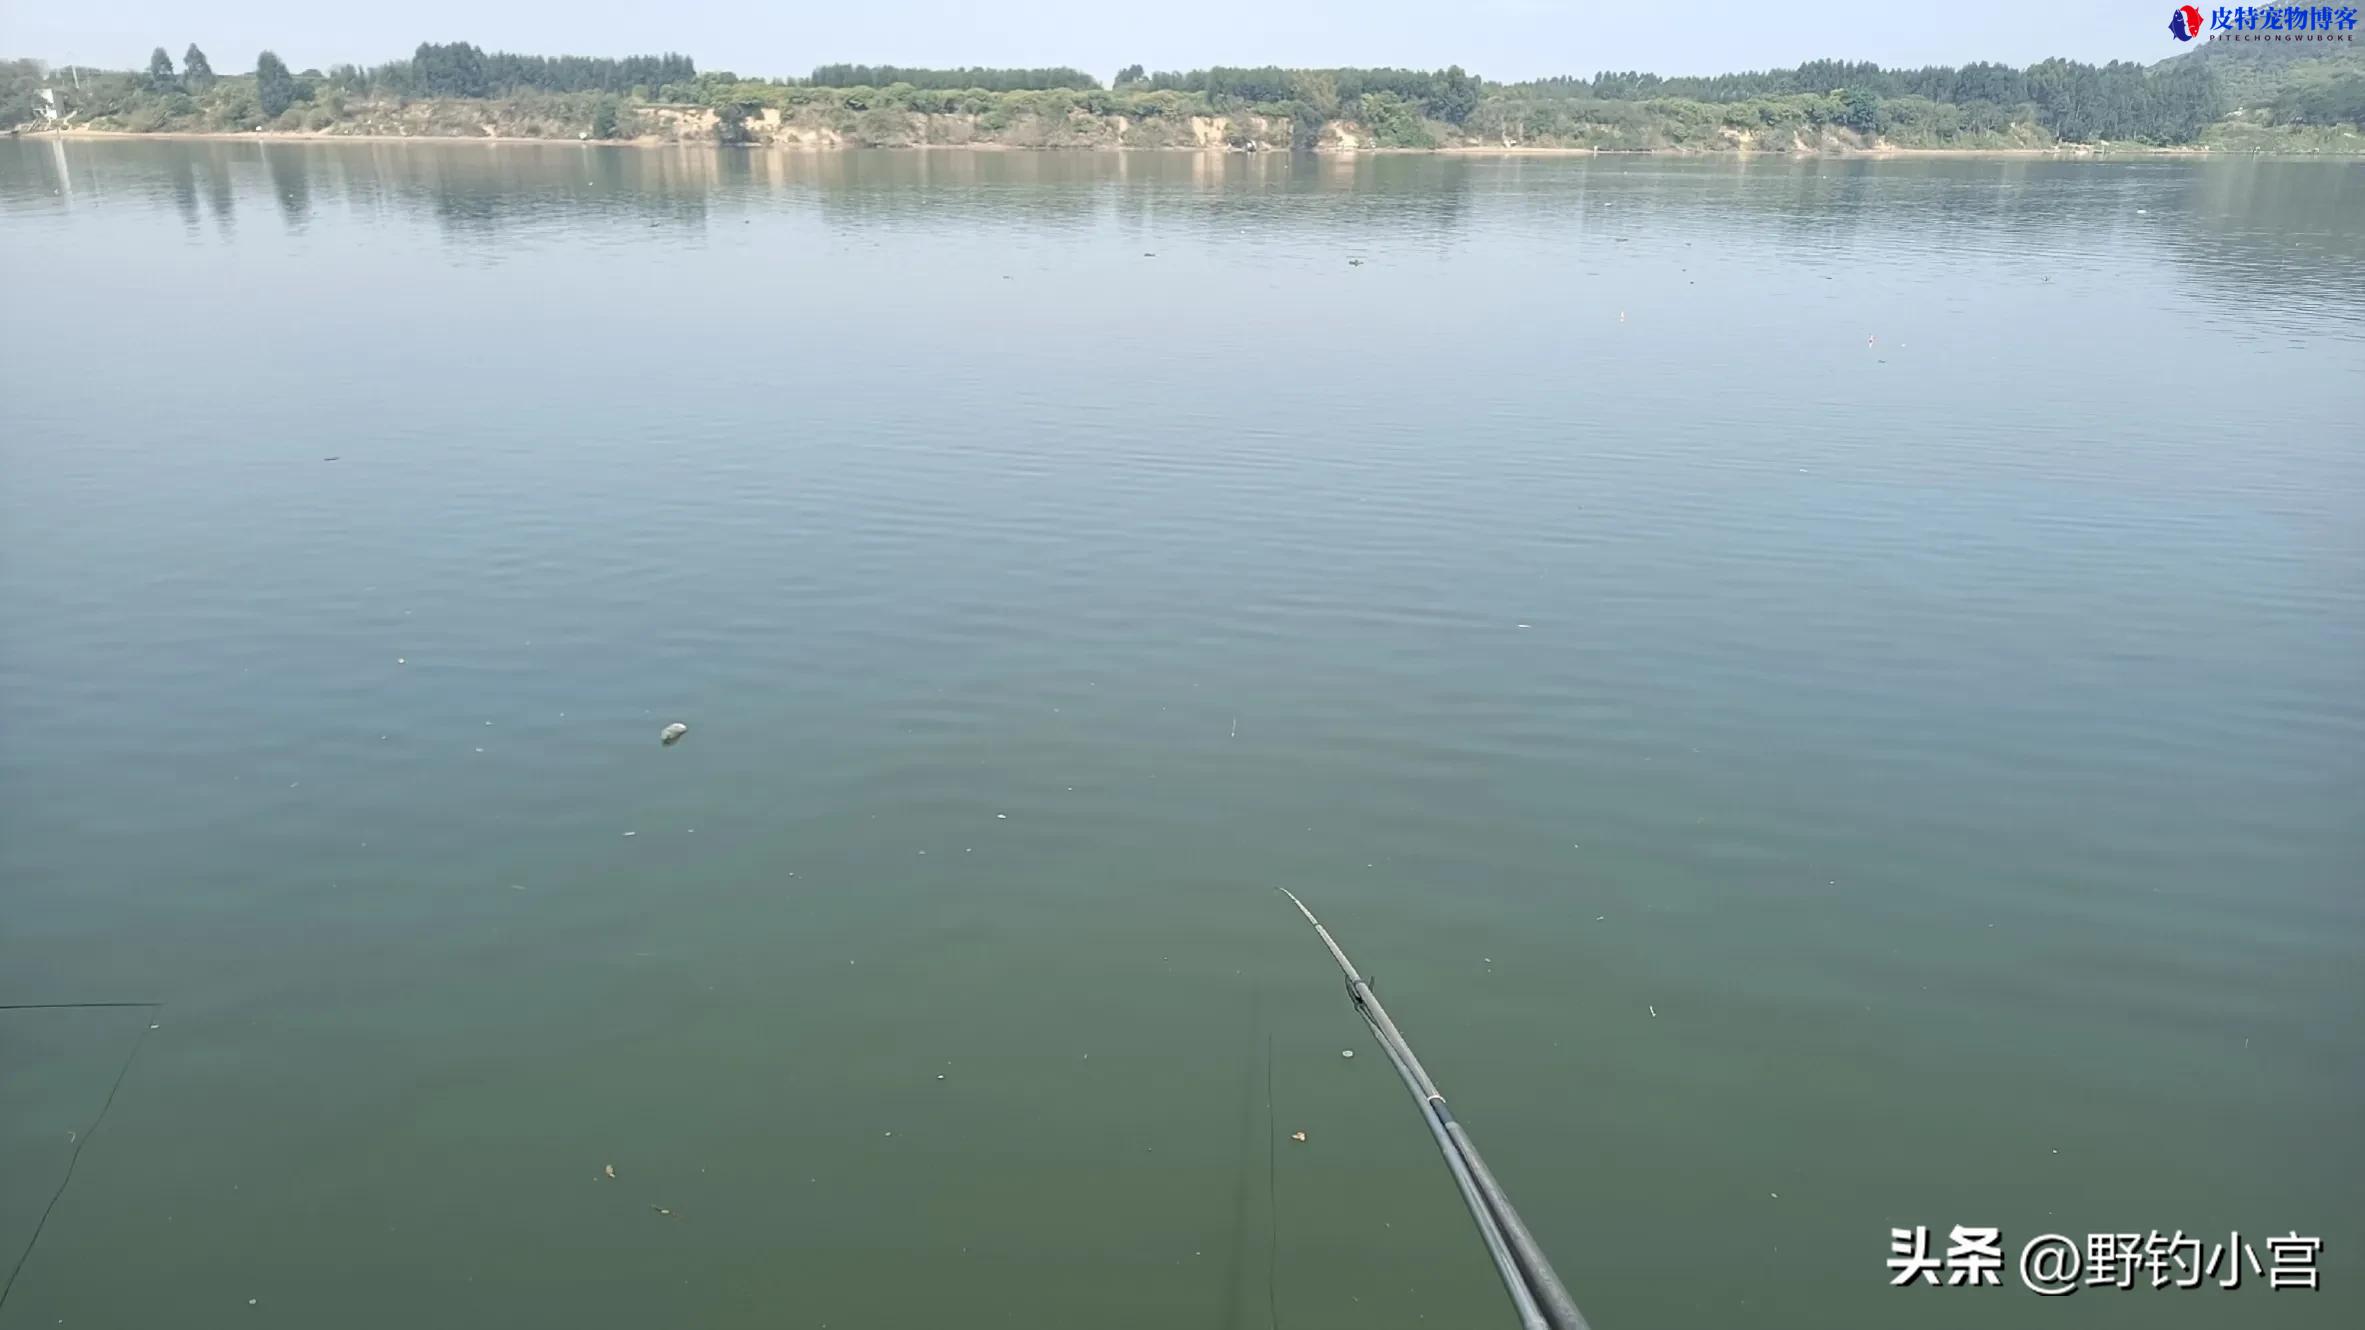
<point x="672" y="734"/>
<point x="632" y="833"/>
<point x="1002" y="816"/>
<point x="1346" y="1052"/>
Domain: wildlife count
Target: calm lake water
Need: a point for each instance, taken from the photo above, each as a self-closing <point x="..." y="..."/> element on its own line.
<point x="1827" y="694"/>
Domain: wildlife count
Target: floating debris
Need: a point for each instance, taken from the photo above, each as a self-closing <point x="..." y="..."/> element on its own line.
<point x="609" y="1169"/>
<point x="1346" y="1052"/>
<point x="672" y="734"/>
<point x="1298" y="1136"/>
<point x="632" y="833"/>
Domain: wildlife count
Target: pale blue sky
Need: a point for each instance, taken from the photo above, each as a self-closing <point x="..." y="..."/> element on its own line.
<point x="1503" y="39"/>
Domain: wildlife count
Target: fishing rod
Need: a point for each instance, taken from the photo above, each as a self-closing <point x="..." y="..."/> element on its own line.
<point x="1536" y="1292"/>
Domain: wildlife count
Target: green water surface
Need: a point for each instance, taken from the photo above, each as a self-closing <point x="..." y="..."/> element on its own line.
<point x="1827" y="694"/>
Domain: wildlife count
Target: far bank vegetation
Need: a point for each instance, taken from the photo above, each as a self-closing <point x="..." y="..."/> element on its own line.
<point x="2230" y="96"/>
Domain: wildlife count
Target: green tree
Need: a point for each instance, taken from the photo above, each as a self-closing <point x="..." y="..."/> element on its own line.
<point x="454" y="70"/>
<point x="1317" y="89"/>
<point x="196" y="70"/>
<point x="1130" y="74"/>
<point x="1393" y="121"/>
<point x="1863" y="113"/>
<point x="275" y="88"/>
<point x="1456" y="96"/>
<point x="730" y="123"/>
<point x="603" y="118"/>
<point x="160" y="75"/>
<point x="235" y="109"/>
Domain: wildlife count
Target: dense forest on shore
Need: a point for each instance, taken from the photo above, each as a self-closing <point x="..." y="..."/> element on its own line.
<point x="2227" y="95"/>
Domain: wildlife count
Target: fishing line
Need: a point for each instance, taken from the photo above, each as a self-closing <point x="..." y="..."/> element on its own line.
<point x="1272" y="1198"/>
<point x="75" y="1156"/>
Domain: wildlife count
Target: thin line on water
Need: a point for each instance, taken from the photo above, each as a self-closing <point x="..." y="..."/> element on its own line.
<point x="1272" y="1198"/>
<point x="82" y="1141"/>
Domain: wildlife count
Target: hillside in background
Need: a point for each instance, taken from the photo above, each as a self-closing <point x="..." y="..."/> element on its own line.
<point x="2302" y="83"/>
<point x="2245" y="96"/>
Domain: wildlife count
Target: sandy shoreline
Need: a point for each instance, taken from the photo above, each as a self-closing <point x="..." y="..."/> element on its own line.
<point x="1459" y="150"/>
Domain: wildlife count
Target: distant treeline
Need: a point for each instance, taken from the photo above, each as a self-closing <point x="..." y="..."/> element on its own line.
<point x="950" y="80"/>
<point x="1818" y="105"/>
<point x="1981" y="82"/>
<point x="459" y="69"/>
<point x="2321" y="94"/>
<point x="2171" y="102"/>
<point x="1445" y="94"/>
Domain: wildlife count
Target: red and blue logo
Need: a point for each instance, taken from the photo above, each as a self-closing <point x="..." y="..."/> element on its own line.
<point x="2185" y="23"/>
